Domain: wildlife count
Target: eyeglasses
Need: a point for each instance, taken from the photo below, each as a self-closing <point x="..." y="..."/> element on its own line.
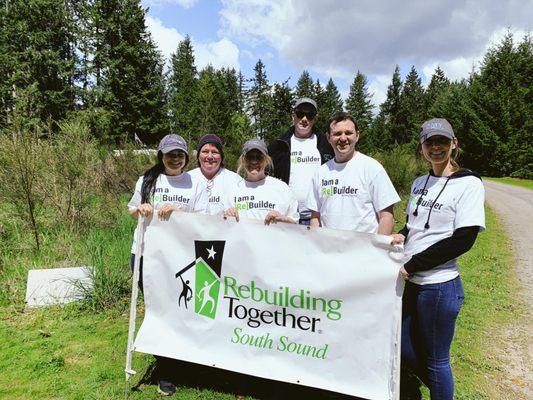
<point x="309" y="114"/>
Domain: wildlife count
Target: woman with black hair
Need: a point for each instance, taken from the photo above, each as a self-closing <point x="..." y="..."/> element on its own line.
<point x="445" y="213"/>
<point x="215" y="182"/>
<point x="162" y="189"/>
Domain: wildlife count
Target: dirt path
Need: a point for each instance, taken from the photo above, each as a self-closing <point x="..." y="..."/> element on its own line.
<point x="514" y="205"/>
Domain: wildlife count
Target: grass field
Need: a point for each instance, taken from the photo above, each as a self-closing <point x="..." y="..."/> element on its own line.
<point x="76" y="353"/>
<point x="527" y="183"/>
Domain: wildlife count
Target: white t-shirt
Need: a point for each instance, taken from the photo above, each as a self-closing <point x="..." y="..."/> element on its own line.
<point x="181" y="191"/>
<point x="461" y="204"/>
<point x="214" y="192"/>
<point x="305" y="160"/>
<point x="254" y="200"/>
<point x="349" y="195"/>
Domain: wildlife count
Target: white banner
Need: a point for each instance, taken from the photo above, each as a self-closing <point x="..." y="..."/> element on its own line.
<point x="317" y="307"/>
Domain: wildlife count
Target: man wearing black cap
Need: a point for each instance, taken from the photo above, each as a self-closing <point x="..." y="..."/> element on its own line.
<point x="299" y="152"/>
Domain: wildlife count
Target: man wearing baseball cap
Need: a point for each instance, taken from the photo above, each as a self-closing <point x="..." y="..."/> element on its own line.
<point x="299" y="152"/>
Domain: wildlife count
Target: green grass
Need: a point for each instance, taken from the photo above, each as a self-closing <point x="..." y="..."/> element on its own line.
<point x="527" y="183"/>
<point x="75" y="352"/>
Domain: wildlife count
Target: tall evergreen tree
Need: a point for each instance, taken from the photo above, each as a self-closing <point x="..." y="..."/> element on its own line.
<point x="260" y="101"/>
<point x="305" y="86"/>
<point x="209" y="99"/>
<point x="37" y="59"/>
<point x="501" y="97"/>
<point x="359" y="102"/>
<point x="282" y="101"/>
<point x="319" y="95"/>
<point x="390" y="112"/>
<point x="183" y="88"/>
<point x="129" y="73"/>
<point x="331" y="102"/>
<point x="438" y="84"/>
<point x="411" y="108"/>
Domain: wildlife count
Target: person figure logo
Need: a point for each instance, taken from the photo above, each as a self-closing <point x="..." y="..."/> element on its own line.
<point x="186" y="292"/>
<point x="205" y="297"/>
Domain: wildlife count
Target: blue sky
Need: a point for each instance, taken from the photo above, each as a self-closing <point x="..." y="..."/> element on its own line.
<point x="336" y="38"/>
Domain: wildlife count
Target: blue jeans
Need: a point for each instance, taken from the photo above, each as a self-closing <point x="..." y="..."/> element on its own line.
<point x="428" y="325"/>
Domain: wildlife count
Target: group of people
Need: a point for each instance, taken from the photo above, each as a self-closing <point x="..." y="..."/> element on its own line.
<point x="319" y="180"/>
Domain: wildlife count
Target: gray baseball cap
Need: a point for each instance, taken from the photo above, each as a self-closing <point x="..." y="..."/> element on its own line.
<point x="254" y="144"/>
<point x="436" y="126"/>
<point x="172" y="142"/>
<point x="305" y="100"/>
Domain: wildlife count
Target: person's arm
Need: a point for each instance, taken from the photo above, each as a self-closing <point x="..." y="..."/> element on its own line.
<point x="444" y="250"/>
<point x="386" y="221"/>
<point x="315" y="219"/>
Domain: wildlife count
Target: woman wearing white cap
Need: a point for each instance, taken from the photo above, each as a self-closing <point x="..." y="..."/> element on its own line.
<point x="164" y="188"/>
<point x="444" y="215"/>
<point x="214" y="180"/>
<point x="259" y="196"/>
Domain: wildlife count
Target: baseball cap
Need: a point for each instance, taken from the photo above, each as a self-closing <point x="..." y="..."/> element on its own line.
<point x="172" y="142"/>
<point x="436" y="126"/>
<point x="256" y="144"/>
<point x="305" y="100"/>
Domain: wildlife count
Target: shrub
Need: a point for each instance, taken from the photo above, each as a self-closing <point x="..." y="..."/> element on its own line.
<point x="402" y="166"/>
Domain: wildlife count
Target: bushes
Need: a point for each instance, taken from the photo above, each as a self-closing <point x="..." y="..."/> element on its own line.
<point x="61" y="191"/>
<point x="402" y="166"/>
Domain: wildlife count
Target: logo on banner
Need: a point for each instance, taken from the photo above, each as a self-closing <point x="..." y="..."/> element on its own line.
<point x="207" y="271"/>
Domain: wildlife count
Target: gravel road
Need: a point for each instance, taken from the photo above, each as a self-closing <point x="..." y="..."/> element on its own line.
<point x="514" y="206"/>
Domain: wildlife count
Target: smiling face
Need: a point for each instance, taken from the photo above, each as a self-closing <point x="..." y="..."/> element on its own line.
<point x="174" y="162"/>
<point x="210" y="160"/>
<point x="255" y="163"/>
<point x="438" y="149"/>
<point x="343" y="136"/>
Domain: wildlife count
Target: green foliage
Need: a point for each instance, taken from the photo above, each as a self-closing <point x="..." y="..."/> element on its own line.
<point x="412" y="111"/>
<point x="259" y="105"/>
<point x="390" y="114"/>
<point x="359" y="102"/>
<point x="37" y="59"/>
<point x="438" y="85"/>
<point x="329" y="102"/>
<point x="182" y="88"/>
<point x="238" y="131"/>
<point x="401" y="166"/>
<point x="305" y="86"/>
<point x="280" y="118"/>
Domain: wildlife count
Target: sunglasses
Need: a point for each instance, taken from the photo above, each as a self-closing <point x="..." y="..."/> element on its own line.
<point x="309" y="114"/>
<point x="254" y="156"/>
<point x="437" y="140"/>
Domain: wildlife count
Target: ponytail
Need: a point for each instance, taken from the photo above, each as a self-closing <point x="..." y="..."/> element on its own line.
<point x="150" y="179"/>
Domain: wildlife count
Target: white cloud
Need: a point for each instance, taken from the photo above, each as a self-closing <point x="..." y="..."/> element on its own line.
<point x="183" y="3"/>
<point x="378" y="86"/>
<point x="461" y="67"/>
<point x="337" y="38"/>
<point x="166" y="39"/>
<point x="223" y="53"/>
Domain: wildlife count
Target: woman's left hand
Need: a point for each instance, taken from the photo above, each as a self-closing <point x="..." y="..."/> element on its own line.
<point x="404" y="274"/>
<point x="274" y="216"/>
<point x="164" y="212"/>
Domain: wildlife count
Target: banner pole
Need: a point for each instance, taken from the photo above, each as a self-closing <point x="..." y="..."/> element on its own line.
<point x="134" y="294"/>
